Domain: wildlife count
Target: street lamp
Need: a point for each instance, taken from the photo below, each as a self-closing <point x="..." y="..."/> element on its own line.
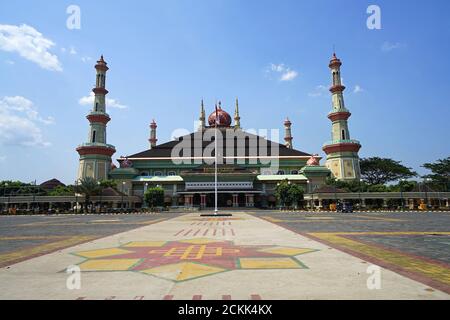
<point x="101" y="191"/>
<point x="123" y="189"/>
<point x="76" y="196"/>
<point x="401" y="193"/>
<point x="7" y="204"/>
<point x="426" y="191"/>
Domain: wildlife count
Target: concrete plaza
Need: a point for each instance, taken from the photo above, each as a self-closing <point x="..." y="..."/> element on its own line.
<point x="251" y="255"/>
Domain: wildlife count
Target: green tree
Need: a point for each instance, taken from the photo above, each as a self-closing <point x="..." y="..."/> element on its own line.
<point x="62" y="191"/>
<point x="440" y="174"/>
<point x="349" y="186"/>
<point x="282" y="192"/>
<point x="379" y="171"/>
<point x="88" y="187"/>
<point x="295" y="194"/>
<point x="108" y="184"/>
<point x="154" y="197"/>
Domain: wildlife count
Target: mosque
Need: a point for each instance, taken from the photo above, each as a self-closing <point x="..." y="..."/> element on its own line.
<point x="249" y="165"/>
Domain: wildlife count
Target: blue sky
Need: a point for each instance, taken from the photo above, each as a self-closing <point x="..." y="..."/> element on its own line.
<point x="165" y="56"/>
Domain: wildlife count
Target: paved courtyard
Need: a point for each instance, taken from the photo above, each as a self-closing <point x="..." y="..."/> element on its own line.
<point x="251" y="255"/>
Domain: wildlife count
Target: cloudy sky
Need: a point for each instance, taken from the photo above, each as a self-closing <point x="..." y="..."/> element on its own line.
<point x="165" y="56"/>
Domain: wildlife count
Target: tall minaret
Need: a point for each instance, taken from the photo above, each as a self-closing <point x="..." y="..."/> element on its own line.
<point x="342" y="152"/>
<point x="237" y="118"/>
<point x="153" y="139"/>
<point x="202" y="118"/>
<point x="95" y="155"/>
<point x="288" y="134"/>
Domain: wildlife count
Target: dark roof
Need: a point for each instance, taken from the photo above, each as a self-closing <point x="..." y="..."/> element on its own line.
<point x="51" y="184"/>
<point x="165" y="150"/>
<point x="329" y="189"/>
<point x="109" y="192"/>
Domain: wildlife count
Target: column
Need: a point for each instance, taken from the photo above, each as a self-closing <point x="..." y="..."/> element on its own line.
<point x="203" y="200"/>
<point x="446" y="203"/>
<point x="385" y="203"/>
<point x="186" y="200"/>
<point x="363" y="203"/>
<point x="174" y="200"/>
<point x="235" y="200"/>
<point x="251" y="200"/>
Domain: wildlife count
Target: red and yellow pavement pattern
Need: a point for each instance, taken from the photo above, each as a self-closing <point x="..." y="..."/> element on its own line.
<point x="190" y="259"/>
<point x="431" y="272"/>
<point x="55" y="243"/>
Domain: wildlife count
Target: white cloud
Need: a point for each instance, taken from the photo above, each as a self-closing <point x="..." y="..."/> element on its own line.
<point x="318" y="91"/>
<point x="10" y="62"/>
<point x="110" y="103"/>
<point x="19" y="123"/>
<point x="388" y="46"/>
<point x="72" y="51"/>
<point x="86" y="59"/>
<point x="30" y="44"/>
<point x="283" y="72"/>
<point x="358" y="89"/>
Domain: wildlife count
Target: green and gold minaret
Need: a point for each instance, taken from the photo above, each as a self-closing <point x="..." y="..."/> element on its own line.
<point x="95" y="155"/>
<point x="342" y="151"/>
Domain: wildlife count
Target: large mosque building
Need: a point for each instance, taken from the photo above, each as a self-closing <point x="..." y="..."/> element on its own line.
<point x="249" y="165"/>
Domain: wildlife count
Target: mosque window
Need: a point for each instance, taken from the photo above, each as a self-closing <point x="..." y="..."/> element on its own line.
<point x="280" y="172"/>
<point x="172" y="173"/>
<point x="96" y="106"/>
<point x="158" y="173"/>
<point x="145" y="173"/>
<point x="343" y="134"/>
<point x="294" y="172"/>
<point x="93" y="136"/>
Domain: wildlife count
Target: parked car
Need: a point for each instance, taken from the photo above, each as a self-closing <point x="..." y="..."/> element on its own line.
<point x="345" y="207"/>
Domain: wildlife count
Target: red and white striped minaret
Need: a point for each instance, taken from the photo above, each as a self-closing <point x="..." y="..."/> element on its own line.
<point x="288" y="133"/>
<point x="95" y="155"/>
<point x="342" y="151"/>
<point x="153" y="139"/>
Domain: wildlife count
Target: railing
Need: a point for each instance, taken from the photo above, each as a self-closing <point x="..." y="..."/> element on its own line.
<point x="96" y="144"/>
<point x="66" y="199"/>
<point x="377" y="195"/>
<point x="341" y="141"/>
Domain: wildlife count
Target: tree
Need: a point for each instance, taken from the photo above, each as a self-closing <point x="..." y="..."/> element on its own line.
<point x="282" y="192"/>
<point x="349" y="186"/>
<point x="88" y="187"/>
<point x="295" y="194"/>
<point x="108" y="184"/>
<point x="379" y="171"/>
<point x="62" y="191"/>
<point x="440" y="173"/>
<point x="154" y="197"/>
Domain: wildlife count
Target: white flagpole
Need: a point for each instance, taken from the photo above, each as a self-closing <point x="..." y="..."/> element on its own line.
<point x="215" y="164"/>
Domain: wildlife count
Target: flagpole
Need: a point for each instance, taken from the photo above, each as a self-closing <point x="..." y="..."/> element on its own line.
<point x="215" y="164"/>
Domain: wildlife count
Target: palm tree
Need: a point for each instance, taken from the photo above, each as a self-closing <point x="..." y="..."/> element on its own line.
<point x="88" y="187"/>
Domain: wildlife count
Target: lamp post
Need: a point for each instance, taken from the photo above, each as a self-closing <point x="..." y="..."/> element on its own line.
<point x="101" y="191"/>
<point x="76" y="196"/>
<point x="401" y="193"/>
<point x="123" y="189"/>
<point x="426" y="191"/>
<point x="7" y="204"/>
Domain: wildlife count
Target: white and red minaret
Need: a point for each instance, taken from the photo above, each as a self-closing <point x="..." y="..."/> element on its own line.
<point x="153" y="138"/>
<point x="288" y="133"/>
<point x="342" y="151"/>
<point x="95" y="155"/>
